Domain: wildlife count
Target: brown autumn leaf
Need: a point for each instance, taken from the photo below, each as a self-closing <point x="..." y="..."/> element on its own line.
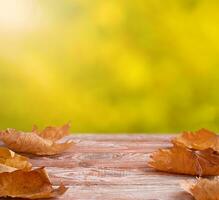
<point x="6" y="168"/>
<point x="53" y="133"/>
<point x="33" y="184"/>
<point x="178" y="159"/>
<point x="10" y="161"/>
<point x="202" y="189"/>
<point x="199" y="140"/>
<point x="32" y="143"/>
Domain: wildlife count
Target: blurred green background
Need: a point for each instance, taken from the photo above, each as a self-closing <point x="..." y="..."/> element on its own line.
<point x="110" y="65"/>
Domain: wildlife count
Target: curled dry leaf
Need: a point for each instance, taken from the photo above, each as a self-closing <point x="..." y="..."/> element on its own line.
<point x="185" y="161"/>
<point x="53" y="133"/>
<point x="199" y="140"/>
<point x="33" y="184"/>
<point x="202" y="189"/>
<point x="32" y="143"/>
<point x="6" y="168"/>
<point x="10" y="161"/>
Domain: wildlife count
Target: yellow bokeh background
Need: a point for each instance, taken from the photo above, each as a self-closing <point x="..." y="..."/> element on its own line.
<point x="110" y="66"/>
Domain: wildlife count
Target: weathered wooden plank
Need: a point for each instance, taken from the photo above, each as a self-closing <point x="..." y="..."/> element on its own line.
<point x="99" y="157"/>
<point x="123" y="137"/>
<point x="94" y="176"/>
<point x="124" y="192"/>
<point x="116" y="160"/>
<point x="128" y="147"/>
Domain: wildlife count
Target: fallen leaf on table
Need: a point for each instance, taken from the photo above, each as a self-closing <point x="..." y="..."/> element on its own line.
<point x="199" y="140"/>
<point x="178" y="159"/>
<point x="53" y="133"/>
<point x="6" y="168"/>
<point x="32" y="143"/>
<point x="10" y="161"/>
<point x="33" y="184"/>
<point x="202" y="189"/>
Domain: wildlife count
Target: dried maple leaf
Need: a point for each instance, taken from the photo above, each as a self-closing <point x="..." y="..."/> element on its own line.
<point x="6" y="168"/>
<point x="10" y="161"/>
<point x="202" y="189"/>
<point x="33" y="184"/>
<point x="32" y="143"/>
<point x="185" y="161"/>
<point x="53" y="133"/>
<point x="199" y="140"/>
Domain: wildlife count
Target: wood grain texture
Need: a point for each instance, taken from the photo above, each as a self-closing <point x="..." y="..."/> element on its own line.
<point x="113" y="167"/>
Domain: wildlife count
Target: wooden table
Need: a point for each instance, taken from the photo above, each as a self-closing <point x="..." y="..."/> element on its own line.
<point x="113" y="167"/>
